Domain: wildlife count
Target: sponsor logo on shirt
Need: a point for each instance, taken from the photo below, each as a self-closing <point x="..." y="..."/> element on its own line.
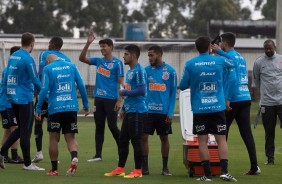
<point x="205" y="63"/>
<point x="242" y="66"/>
<point x="209" y="100"/>
<point x="208" y="87"/>
<point x="165" y="76"/>
<point x="13" y="67"/>
<point x="63" y="76"/>
<point x="104" y="71"/>
<point x="243" y="88"/>
<point x="217" y="107"/>
<point x="244" y="78"/>
<point x="61" y="68"/>
<point x="207" y="73"/>
<point x="11" y="91"/>
<point x="101" y="92"/>
<point x="62" y="98"/>
<point x="157" y="87"/>
<point x="15" y="57"/>
<point x="12" y="80"/>
<point x="64" y="87"/>
<point x="155" y="107"/>
<point x="151" y="79"/>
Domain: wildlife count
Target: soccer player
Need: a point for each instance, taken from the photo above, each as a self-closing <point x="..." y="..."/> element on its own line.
<point x="55" y="45"/>
<point x="109" y="77"/>
<point x="59" y="82"/>
<point x="161" y="97"/>
<point x="239" y="97"/>
<point x="268" y="79"/>
<point x="20" y="81"/>
<point x="203" y="74"/>
<point x="133" y="112"/>
<point x="9" y="122"/>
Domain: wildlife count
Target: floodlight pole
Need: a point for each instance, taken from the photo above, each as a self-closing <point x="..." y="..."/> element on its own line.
<point x="279" y="26"/>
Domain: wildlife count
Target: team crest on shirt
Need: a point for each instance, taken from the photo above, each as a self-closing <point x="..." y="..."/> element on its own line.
<point x="110" y="65"/>
<point x="165" y="76"/>
<point x="165" y="68"/>
<point x="130" y="75"/>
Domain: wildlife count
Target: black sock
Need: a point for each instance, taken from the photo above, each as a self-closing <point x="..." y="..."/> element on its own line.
<point x="73" y="154"/>
<point x="38" y="142"/>
<point x="5" y="154"/>
<point x="38" y="136"/>
<point x="165" y="159"/>
<point x="14" y="153"/>
<point x="54" y="165"/>
<point x="207" y="169"/>
<point x="145" y="162"/>
<point x="224" y="166"/>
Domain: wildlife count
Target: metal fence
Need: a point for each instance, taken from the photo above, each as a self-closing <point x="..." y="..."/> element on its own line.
<point x="175" y="54"/>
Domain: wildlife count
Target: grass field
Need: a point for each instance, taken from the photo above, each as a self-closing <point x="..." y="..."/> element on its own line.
<point x="93" y="172"/>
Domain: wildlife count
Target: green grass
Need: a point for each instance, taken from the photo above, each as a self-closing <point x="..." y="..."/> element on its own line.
<point x="93" y="172"/>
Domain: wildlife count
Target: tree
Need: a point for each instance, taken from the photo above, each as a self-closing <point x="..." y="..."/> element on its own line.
<point x="269" y="10"/>
<point x="103" y="17"/>
<point x="161" y="24"/>
<point x="36" y="16"/>
<point x="205" y="10"/>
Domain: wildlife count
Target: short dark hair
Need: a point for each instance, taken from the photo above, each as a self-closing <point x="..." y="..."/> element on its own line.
<point x="203" y="43"/>
<point x="14" y="49"/>
<point x="27" y="39"/>
<point x="107" y="41"/>
<point x="269" y="42"/>
<point x="133" y="49"/>
<point x="57" y="42"/>
<point x="229" y="38"/>
<point x="156" y="49"/>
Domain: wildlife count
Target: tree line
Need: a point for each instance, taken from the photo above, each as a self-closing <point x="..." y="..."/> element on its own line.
<point x="165" y="18"/>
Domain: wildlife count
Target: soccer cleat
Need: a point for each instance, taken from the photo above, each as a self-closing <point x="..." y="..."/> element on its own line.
<point x="119" y="171"/>
<point x="38" y="157"/>
<point x="227" y="177"/>
<point x="33" y="167"/>
<point x="145" y="171"/>
<point x="204" y="178"/>
<point x="269" y="162"/>
<point x="166" y="172"/>
<point x="7" y="159"/>
<point x="2" y="164"/>
<point x="18" y="160"/>
<point x="95" y="159"/>
<point x="52" y="173"/>
<point x="257" y="172"/>
<point x="72" y="168"/>
<point x="136" y="173"/>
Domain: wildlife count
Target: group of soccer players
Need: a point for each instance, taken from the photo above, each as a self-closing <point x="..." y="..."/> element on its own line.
<point x="148" y="96"/>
